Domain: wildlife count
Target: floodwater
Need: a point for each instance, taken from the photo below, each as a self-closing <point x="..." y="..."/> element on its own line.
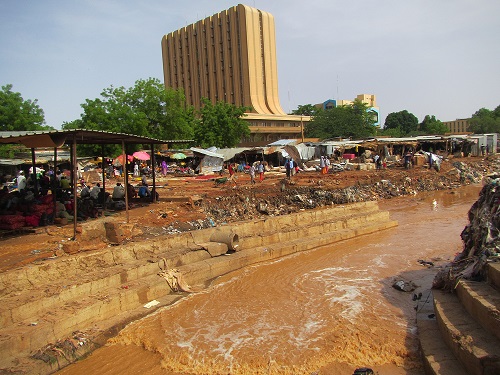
<point x="325" y="311"/>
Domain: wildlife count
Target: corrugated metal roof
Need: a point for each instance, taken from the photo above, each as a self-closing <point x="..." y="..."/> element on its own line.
<point x="283" y="142"/>
<point x="11" y="161"/>
<point x="57" y="138"/>
<point x="207" y="153"/>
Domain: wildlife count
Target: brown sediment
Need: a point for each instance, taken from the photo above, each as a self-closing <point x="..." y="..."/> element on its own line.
<point x="225" y="204"/>
<point x="252" y="321"/>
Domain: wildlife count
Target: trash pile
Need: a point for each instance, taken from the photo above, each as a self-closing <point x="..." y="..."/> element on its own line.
<point x="67" y="349"/>
<point x="292" y="198"/>
<point x="480" y="237"/>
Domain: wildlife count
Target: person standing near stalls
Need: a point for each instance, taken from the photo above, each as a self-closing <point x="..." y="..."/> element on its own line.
<point x="251" y="171"/>
<point x="292" y="167"/>
<point x="230" y="169"/>
<point x="322" y="165"/>
<point x="376" y="159"/>
<point x="164" y="168"/>
<point x="327" y="164"/>
<point x="260" y="169"/>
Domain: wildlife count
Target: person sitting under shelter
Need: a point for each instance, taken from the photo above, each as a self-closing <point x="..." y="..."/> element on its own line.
<point x="132" y="193"/>
<point x="65" y="184"/>
<point x="94" y="192"/>
<point x="144" y="192"/>
<point x="85" y="193"/>
<point x="118" y="192"/>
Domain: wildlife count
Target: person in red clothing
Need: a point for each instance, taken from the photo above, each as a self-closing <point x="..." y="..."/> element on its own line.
<point x="260" y="168"/>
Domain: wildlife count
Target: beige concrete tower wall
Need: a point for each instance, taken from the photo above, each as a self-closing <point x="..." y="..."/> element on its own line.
<point x="255" y="61"/>
<point x="369" y="99"/>
<point x="229" y="57"/>
<point x="270" y="65"/>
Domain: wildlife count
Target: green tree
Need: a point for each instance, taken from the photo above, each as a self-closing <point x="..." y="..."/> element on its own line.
<point x="485" y="121"/>
<point x="146" y="109"/>
<point x="354" y="120"/>
<point x="18" y="114"/>
<point x="220" y="125"/>
<point x="432" y="126"/>
<point x="306" y="110"/>
<point x="392" y="132"/>
<point x="404" y="120"/>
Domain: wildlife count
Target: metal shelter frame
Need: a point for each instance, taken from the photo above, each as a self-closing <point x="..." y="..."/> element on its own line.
<point x="74" y="137"/>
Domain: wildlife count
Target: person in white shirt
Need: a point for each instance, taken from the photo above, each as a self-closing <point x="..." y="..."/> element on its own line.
<point x="21" y="181"/>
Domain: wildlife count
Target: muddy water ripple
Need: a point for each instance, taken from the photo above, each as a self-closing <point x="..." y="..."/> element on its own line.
<point x="327" y="310"/>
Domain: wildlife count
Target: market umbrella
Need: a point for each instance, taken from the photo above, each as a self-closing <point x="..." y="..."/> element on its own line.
<point x="120" y="159"/>
<point x="178" y="155"/>
<point x="141" y="155"/>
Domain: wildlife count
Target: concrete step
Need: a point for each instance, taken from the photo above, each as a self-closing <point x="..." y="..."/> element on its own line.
<point x="477" y="350"/>
<point x="438" y="358"/>
<point x="25" y="307"/>
<point x="494" y="275"/>
<point x="329" y="227"/>
<point x="482" y="302"/>
<point x="108" y="284"/>
<point x="62" y="319"/>
<point x="214" y="267"/>
<point x="105" y="330"/>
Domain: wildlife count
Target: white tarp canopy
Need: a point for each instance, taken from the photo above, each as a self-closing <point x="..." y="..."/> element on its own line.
<point x="210" y="162"/>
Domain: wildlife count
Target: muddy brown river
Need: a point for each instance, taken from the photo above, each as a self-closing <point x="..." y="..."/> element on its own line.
<point x="325" y="311"/>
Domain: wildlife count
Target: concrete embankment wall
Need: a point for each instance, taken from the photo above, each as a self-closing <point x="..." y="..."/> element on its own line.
<point x="43" y="303"/>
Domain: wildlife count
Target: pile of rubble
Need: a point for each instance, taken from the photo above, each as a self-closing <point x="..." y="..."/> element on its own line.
<point x="480" y="238"/>
<point x="292" y="198"/>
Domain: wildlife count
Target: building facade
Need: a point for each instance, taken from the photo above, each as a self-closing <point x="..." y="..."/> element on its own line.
<point x="368" y="99"/>
<point x="458" y="126"/>
<point x="231" y="57"/>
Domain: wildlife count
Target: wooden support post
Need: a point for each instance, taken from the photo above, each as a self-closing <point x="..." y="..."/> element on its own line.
<point x="74" y="181"/>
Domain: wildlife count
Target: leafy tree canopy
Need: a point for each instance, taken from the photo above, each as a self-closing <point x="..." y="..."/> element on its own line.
<point x="220" y="125"/>
<point x="407" y="122"/>
<point x="352" y="120"/>
<point x="432" y="126"/>
<point x="306" y="110"/>
<point x="146" y="109"/>
<point x="18" y="114"/>
<point x="485" y="121"/>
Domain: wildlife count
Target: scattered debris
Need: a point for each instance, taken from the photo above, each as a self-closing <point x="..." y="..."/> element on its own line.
<point x="480" y="238"/>
<point x="151" y="304"/>
<point x="425" y="263"/>
<point x="404" y="286"/>
<point x="66" y="349"/>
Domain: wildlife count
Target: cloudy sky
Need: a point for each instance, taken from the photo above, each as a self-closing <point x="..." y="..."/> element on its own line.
<point x="437" y="57"/>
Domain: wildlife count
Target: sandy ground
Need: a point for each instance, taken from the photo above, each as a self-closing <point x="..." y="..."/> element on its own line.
<point x="199" y="202"/>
